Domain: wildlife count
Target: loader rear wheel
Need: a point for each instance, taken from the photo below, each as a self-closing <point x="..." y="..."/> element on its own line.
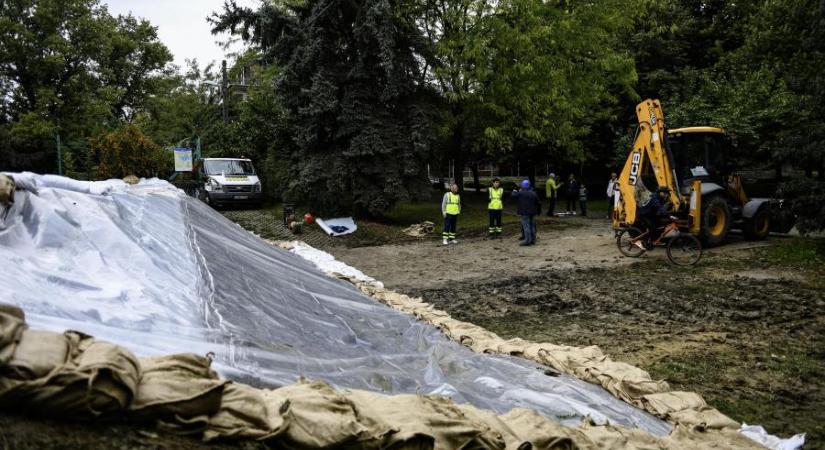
<point x="716" y="220"/>
<point x="626" y="241"/>
<point x="757" y="227"/>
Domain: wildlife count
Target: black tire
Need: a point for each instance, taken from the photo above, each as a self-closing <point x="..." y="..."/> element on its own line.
<point x="716" y="220"/>
<point x="759" y="226"/>
<point x="684" y="250"/>
<point x="624" y="240"/>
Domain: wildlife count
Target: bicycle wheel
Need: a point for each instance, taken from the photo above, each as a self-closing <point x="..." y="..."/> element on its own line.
<point x="626" y="241"/>
<point x="684" y="250"/>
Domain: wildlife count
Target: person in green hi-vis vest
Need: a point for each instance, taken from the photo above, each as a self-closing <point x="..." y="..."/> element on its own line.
<point x="550" y="190"/>
<point x="494" y="208"/>
<point x="450" y="209"/>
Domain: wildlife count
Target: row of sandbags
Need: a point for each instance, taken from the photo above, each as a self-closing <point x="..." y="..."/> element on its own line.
<point x="73" y="376"/>
<point x="629" y="383"/>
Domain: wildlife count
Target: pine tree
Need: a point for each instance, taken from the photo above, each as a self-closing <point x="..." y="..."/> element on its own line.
<point x="354" y="138"/>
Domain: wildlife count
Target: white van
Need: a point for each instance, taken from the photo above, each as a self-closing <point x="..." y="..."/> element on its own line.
<point x="230" y="181"/>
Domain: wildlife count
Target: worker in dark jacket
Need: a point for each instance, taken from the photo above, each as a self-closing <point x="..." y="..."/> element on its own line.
<point x="654" y="213"/>
<point x="572" y="193"/>
<point x="528" y="207"/>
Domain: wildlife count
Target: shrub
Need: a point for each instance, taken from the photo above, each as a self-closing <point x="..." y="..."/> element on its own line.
<point x="127" y="151"/>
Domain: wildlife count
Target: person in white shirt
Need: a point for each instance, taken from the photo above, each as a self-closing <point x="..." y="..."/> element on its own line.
<point x="612" y="187"/>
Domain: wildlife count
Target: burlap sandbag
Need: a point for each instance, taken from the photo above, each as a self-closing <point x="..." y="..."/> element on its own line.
<point x="68" y="375"/>
<point x="424" y="421"/>
<point x="7" y="187"/>
<point x="303" y="415"/>
<point x="12" y="324"/>
<point x="247" y="413"/>
<point x="179" y="392"/>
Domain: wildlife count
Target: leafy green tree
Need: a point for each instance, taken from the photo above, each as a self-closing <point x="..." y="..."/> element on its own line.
<point x="789" y="37"/>
<point x="183" y="108"/>
<point x="68" y="67"/>
<point x="525" y="75"/>
<point x="554" y="69"/>
<point x="352" y="137"/>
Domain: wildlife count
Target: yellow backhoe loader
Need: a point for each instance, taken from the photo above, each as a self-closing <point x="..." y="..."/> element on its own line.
<point x="705" y="194"/>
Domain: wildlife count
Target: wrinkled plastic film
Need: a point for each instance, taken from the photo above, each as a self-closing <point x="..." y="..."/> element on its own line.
<point x="147" y="267"/>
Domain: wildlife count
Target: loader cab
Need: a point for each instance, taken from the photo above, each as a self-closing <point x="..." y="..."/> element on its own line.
<point x="699" y="153"/>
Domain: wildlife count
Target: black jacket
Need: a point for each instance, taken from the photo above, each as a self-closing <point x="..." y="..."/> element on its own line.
<point x="572" y="188"/>
<point x="653" y="208"/>
<point x="527" y="202"/>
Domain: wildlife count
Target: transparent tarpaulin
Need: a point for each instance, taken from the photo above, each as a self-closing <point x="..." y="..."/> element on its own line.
<point x="146" y="267"/>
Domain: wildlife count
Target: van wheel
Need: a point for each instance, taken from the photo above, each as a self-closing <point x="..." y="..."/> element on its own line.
<point x="716" y="220"/>
<point x="757" y="227"/>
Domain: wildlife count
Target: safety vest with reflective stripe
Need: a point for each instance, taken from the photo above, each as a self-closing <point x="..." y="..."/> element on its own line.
<point x="453" y="202"/>
<point x="495" y="198"/>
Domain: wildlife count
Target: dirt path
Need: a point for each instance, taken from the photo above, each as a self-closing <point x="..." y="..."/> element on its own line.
<point x="588" y="243"/>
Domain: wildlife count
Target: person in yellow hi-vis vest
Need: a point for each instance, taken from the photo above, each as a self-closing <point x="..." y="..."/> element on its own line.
<point x="494" y="209"/>
<point x="550" y="190"/>
<point x="450" y="209"/>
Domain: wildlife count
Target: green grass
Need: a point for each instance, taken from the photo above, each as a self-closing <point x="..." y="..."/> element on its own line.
<point x="797" y="252"/>
<point x="388" y="229"/>
<point x="784" y="377"/>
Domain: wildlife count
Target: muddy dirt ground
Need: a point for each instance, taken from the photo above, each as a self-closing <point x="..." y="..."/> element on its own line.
<point x="745" y="328"/>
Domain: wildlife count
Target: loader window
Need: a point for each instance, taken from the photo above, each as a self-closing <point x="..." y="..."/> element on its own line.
<point x="716" y="154"/>
<point x="697" y="154"/>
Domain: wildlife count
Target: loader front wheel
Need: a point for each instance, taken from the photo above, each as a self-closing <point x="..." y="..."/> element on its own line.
<point x="757" y="227"/>
<point x="716" y="220"/>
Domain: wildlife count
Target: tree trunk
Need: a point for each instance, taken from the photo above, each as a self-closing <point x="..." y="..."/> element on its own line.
<point x="458" y="150"/>
<point x="474" y="168"/>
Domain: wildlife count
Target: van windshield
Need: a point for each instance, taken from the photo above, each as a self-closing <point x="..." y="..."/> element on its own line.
<point x="228" y="167"/>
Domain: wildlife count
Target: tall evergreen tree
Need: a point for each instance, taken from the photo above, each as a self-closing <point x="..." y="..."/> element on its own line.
<point x="354" y="138"/>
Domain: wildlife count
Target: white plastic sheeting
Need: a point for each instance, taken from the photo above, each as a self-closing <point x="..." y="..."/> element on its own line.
<point x="146" y="267"/>
<point x="758" y="434"/>
<point x="328" y="264"/>
<point x="337" y="227"/>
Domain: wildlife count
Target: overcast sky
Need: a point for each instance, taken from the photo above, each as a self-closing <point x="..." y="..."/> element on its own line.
<point x="181" y="25"/>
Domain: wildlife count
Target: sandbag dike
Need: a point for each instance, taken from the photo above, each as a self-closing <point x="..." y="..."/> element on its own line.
<point x="152" y="270"/>
<point x="74" y="376"/>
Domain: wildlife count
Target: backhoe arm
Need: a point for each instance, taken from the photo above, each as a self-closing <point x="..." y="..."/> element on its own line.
<point x="649" y="154"/>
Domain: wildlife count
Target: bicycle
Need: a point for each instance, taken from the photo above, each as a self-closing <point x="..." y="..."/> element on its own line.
<point x="683" y="249"/>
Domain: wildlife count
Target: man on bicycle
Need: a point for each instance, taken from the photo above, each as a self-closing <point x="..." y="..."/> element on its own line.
<point x="653" y="214"/>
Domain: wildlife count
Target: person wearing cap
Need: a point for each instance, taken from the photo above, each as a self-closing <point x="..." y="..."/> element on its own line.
<point x="494" y="208"/>
<point x="528" y="207"/>
<point x="652" y="213"/>
<point x="551" y="190"/>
